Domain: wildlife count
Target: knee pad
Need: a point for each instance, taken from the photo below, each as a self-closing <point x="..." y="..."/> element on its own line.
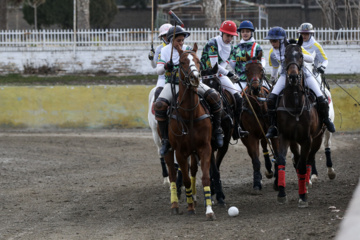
<point x="271" y="101"/>
<point x="161" y="107"/>
<point x="212" y="97"/>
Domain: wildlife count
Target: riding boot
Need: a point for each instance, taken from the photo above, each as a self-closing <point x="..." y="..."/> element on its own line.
<point x="271" y="104"/>
<point x="213" y="99"/>
<point x="161" y="106"/>
<point x="238" y="132"/>
<point x="323" y="110"/>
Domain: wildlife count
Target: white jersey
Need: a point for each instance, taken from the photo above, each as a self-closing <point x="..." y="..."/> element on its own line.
<point x="313" y="46"/>
<point x="161" y="78"/>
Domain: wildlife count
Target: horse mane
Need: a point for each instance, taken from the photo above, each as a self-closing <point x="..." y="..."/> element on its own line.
<point x="292" y="41"/>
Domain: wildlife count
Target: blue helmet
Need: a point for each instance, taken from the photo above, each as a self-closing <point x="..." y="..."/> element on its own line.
<point x="246" y="25"/>
<point x="276" y="33"/>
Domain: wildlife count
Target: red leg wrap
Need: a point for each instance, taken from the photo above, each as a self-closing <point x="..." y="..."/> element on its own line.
<point x="308" y="173"/>
<point x="302" y="183"/>
<point x="281" y="174"/>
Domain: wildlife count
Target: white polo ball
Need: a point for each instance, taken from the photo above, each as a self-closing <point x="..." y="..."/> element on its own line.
<point x="233" y="211"/>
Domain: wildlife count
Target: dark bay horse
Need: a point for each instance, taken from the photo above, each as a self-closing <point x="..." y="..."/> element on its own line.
<point x="254" y="119"/>
<point x="190" y="133"/>
<point x="210" y="78"/>
<point x="299" y="124"/>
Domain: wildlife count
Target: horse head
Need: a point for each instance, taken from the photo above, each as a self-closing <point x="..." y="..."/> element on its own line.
<point x="294" y="61"/>
<point x="189" y="67"/>
<point x="254" y="73"/>
<point x="209" y="77"/>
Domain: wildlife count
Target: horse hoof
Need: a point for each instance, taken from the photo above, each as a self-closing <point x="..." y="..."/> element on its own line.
<point x="303" y="204"/>
<point x="282" y="200"/>
<point x="175" y="211"/>
<point x="221" y="202"/>
<point x="276" y="187"/>
<point x="331" y="173"/>
<point x="309" y="184"/>
<point x="210" y="216"/>
<point x="256" y="190"/>
<point x="314" y="178"/>
<point x="268" y="174"/>
<point x="191" y="212"/>
<point x="166" y="181"/>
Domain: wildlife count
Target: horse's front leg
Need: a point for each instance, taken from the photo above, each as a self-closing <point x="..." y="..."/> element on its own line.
<point x="303" y="173"/>
<point x="205" y="157"/>
<point x="281" y="162"/>
<point x="169" y="159"/>
<point x="327" y="143"/>
<point x="194" y="170"/>
<point x="268" y="164"/>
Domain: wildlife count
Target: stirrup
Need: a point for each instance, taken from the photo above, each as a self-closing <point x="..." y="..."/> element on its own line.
<point x="165" y="146"/>
<point x="329" y="125"/>
<point x="272" y="132"/>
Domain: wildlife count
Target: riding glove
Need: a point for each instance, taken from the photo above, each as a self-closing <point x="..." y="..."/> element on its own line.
<point x="169" y="66"/>
<point x="151" y="54"/>
<point x="232" y="76"/>
<point x="321" y="69"/>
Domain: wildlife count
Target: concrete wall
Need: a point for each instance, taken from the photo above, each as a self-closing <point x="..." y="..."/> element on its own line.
<point x="134" y="60"/>
<point x="112" y="106"/>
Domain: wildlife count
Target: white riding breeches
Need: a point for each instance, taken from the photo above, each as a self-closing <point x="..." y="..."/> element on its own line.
<point x="167" y="94"/>
<point x="310" y="82"/>
<point x="228" y="85"/>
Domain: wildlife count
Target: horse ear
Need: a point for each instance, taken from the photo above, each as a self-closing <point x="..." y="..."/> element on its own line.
<point x="248" y="58"/>
<point x="300" y="41"/>
<point x="195" y="48"/>
<point x="259" y="56"/>
<point x="215" y="68"/>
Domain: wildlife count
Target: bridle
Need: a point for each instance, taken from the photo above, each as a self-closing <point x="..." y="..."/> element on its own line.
<point x="294" y="61"/>
<point x="254" y="79"/>
<point x="189" y="73"/>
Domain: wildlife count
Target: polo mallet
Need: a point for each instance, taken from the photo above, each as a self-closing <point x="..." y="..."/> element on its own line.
<point x="177" y="22"/>
<point x="258" y="121"/>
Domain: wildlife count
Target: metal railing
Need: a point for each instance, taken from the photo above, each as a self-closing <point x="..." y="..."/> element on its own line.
<point x="63" y="39"/>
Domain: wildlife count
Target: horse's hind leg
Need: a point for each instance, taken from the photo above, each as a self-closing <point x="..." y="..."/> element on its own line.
<point x="194" y="170"/>
<point x="216" y="186"/>
<point x="327" y="143"/>
<point x="268" y="165"/>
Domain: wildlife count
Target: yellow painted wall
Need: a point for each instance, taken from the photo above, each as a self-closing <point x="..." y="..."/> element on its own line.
<point x="112" y="106"/>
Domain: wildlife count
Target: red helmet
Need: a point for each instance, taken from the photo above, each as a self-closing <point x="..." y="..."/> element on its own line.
<point x="229" y="27"/>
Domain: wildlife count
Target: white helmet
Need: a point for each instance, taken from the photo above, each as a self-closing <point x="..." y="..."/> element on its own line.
<point x="164" y="29"/>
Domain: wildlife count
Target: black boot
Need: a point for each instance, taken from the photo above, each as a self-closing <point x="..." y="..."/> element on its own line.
<point x="213" y="99"/>
<point x="165" y="144"/>
<point x="157" y="92"/>
<point x="238" y="132"/>
<point x="271" y="104"/>
<point x="323" y="110"/>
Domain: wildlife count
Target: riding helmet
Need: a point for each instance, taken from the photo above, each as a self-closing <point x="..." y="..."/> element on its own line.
<point x="246" y="25"/>
<point x="276" y="33"/>
<point x="306" y="28"/>
<point x="228" y="27"/>
<point x="179" y="31"/>
<point x="163" y="30"/>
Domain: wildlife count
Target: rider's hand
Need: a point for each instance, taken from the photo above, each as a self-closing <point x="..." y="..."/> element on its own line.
<point x="272" y="80"/>
<point x="169" y="66"/>
<point x="151" y="54"/>
<point x="233" y="76"/>
<point x="321" y="69"/>
<point x="230" y="74"/>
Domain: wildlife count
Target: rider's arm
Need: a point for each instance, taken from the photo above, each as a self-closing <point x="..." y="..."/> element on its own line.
<point x="160" y="67"/>
<point x="156" y="56"/>
<point x="320" y="55"/>
<point x="307" y="56"/>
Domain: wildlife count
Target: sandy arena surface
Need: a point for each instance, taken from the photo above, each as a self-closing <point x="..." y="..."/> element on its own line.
<point x="108" y="185"/>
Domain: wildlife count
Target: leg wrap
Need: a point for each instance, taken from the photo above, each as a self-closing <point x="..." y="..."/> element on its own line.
<point x="173" y="195"/>
<point x="281" y="176"/>
<point x="302" y="183"/>
<point x="193" y="185"/>
<point x="189" y="197"/>
<point x="308" y="173"/>
<point x="207" y="196"/>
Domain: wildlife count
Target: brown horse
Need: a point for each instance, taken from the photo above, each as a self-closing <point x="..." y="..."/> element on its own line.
<point x="210" y="78"/>
<point x="298" y="123"/>
<point x="254" y="119"/>
<point x="190" y="132"/>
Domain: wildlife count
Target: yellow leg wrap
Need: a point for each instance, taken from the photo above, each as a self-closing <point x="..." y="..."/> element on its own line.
<point x="265" y="153"/>
<point x="173" y="192"/>
<point x="193" y="185"/>
<point x="207" y="194"/>
<point x="189" y="198"/>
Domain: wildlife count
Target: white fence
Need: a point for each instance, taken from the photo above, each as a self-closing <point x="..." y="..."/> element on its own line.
<point x="63" y="39"/>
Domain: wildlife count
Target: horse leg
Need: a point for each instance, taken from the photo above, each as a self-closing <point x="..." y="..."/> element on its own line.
<point x="216" y="186"/>
<point x="327" y="142"/>
<point x="275" y="145"/>
<point x="302" y="172"/>
<point x="169" y="159"/>
<point x="184" y="165"/>
<point x="268" y="165"/>
<point x="281" y="161"/>
<point x="179" y="180"/>
<point x="205" y="156"/>
<point x="165" y="172"/>
<point x="194" y="170"/>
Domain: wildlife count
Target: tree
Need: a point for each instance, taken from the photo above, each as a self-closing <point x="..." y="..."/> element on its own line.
<point x="60" y="12"/>
<point x="83" y="14"/>
<point x="212" y="13"/>
<point x="35" y="4"/>
<point x="3" y="14"/>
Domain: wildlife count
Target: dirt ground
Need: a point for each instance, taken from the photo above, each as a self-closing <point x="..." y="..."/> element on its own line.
<point x="108" y="185"/>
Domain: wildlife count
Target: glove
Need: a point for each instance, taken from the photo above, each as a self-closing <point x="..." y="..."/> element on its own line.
<point x="151" y="54"/>
<point x="169" y="66"/>
<point x="321" y="69"/>
<point x="230" y="74"/>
